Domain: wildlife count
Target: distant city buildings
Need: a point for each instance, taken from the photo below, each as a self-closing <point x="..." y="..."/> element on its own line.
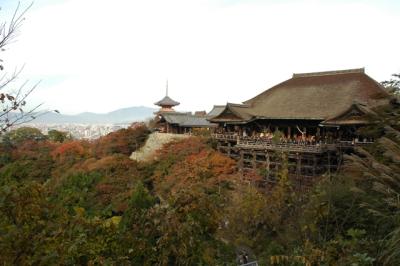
<point x="78" y="131"/>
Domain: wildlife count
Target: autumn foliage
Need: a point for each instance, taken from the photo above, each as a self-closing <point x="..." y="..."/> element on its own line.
<point x="123" y="141"/>
<point x="71" y="151"/>
<point x="86" y="203"/>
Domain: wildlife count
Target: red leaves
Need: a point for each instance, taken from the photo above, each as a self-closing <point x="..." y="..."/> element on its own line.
<point x="194" y="164"/>
<point x="71" y="151"/>
<point x="123" y="141"/>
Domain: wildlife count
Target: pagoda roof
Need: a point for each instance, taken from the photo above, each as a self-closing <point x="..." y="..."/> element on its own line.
<point x="166" y="101"/>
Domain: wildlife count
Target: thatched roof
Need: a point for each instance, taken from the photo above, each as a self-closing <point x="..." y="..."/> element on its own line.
<point x="354" y="115"/>
<point x="312" y="96"/>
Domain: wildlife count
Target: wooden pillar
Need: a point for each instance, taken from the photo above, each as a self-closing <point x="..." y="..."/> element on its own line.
<point x="340" y="134"/>
<point x="289" y="132"/>
<point x="229" y="149"/>
<point x="254" y="162"/>
<point x="268" y="164"/>
<point x="241" y="163"/>
<point x="298" y="166"/>
<point x="329" y="163"/>
<point x="314" y="164"/>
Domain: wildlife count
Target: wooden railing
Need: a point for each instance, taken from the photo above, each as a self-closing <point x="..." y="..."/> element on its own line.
<point x="293" y="147"/>
<point x="226" y="136"/>
<point x="260" y="143"/>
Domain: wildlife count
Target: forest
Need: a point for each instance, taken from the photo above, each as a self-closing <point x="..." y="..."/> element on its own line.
<point x="75" y="202"/>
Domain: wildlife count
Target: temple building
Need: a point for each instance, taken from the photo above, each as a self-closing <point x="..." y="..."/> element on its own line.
<point x="170" y="121"/>
<point x="322" y="104"/>
<point x="313" y="118"/>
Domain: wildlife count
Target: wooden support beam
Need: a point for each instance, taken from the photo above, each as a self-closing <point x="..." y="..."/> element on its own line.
<point x="314" y="165"/>
<point x="268" y="166"/>
<point x="254" y="157"/>
<point x="298" y="167"/>
<point x="241" y="161"/>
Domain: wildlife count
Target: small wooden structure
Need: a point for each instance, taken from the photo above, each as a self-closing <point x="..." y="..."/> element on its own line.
<point x="170" y="121"/>
<point x="182" y="123"/>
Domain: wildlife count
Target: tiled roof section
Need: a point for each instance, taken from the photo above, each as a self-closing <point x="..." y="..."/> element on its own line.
<point x="217" y="109"/>
<point x="186" y="120"/>
<point x="166" y="101"/>
<point x="200" y="113"/>
<point x="319" y="96"/>
<point x="233" y="112"/>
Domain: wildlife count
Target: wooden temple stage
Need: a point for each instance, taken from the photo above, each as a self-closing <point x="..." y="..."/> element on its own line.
<point x="304" y="161"/>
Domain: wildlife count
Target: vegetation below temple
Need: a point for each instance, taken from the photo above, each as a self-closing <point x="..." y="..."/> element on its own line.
<point x="74" y="202"/>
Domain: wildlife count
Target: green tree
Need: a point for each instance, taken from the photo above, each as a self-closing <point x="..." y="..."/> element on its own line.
<point x="393" y="85"/>
<point x="58" y="136"/>
<point x="18" y="136"/>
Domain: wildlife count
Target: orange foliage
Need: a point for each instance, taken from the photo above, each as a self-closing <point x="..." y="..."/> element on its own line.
<point x="31" y="149"/>
<point x="71" y="151"/>
<point x="123" y="141"/>
<point x="194" y="164"/>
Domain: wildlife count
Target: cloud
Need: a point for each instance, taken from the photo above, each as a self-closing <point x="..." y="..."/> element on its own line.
<point x="117" y="54"/>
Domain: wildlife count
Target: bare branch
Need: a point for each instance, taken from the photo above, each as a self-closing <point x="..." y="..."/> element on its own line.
<point x="9" y="33"/>
<point x="12" y="103"/>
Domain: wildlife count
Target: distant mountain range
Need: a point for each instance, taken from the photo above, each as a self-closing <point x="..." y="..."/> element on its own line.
<point x="124" y="115"/>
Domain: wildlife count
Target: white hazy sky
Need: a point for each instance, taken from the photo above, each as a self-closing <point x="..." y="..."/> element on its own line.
<point x="98" y="55"/>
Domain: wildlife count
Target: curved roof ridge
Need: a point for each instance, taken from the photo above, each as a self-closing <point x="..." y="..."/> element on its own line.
<point x="333" y="72"/>
<point x="166" y="101"/>
<point x="238" y="105"/>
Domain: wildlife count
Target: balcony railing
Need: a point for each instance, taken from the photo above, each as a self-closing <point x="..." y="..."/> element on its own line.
<point x="268" y="144"/>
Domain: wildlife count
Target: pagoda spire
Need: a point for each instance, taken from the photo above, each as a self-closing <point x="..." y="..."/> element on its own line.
<point x="166" y="103"/>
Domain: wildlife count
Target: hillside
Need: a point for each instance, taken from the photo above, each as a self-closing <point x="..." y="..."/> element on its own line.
<point x="86" y="203"/>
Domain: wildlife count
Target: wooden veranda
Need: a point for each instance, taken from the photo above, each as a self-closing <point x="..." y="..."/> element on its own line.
<point x="304" y="160"/>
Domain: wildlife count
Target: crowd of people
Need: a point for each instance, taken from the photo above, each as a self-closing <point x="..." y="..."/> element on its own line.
<point x="301" y="138"/>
